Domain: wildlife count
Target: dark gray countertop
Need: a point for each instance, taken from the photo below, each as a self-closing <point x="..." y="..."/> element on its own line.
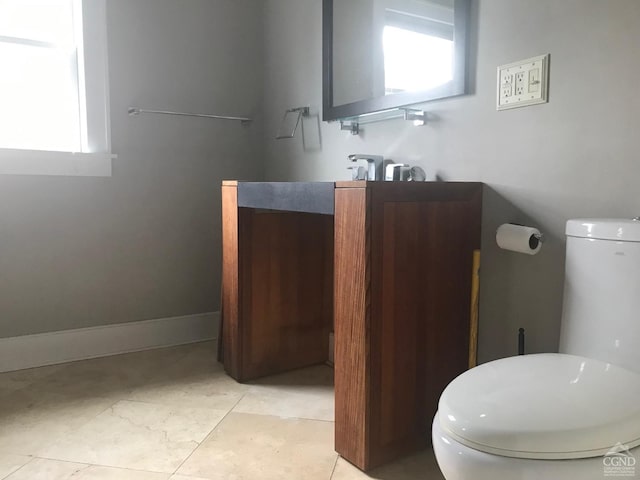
<point x="310" y="197"/>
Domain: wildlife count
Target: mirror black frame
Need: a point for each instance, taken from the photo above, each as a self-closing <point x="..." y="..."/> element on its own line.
<point x="457" y="86"/>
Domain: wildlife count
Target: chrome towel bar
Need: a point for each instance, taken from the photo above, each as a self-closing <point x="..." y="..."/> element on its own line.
<point x="134" y="111"/>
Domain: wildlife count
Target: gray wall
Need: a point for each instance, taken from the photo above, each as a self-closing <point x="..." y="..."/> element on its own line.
<point x="78" y="252"/>
<point x="576" y="156"/>
<point x="145" y="243"/>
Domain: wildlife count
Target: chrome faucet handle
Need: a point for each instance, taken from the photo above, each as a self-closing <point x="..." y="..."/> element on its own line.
<point x="358" y="172"/>
<point x="393" y="171"/>
<point x="375" y="164"/>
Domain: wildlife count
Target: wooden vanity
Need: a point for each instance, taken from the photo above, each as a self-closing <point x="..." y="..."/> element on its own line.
<point x="390" y="267"/>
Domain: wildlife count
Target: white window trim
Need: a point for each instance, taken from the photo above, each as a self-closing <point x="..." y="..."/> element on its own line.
<point x="43" y="162"/>
<point x="96" y="159"/>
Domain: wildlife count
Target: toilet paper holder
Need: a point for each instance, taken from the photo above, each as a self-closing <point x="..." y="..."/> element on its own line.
<point x="535" y="239"/>
<point x="519" y="238"/>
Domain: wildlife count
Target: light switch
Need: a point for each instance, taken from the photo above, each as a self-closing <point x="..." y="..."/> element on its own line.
<point x="534" y="80"/>
<point x="523" y="83"/>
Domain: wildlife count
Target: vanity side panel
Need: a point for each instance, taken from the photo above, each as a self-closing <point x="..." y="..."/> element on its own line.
<point x="351" y="310"/>
<point x="423" y="239"/>
<point x="230" y="304"/>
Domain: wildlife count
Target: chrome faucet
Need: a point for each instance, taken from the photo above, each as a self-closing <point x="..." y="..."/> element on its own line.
<point x="374" y="164"/>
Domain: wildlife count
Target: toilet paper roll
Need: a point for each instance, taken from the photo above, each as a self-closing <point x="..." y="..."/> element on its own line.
<point x="519" y="238"/>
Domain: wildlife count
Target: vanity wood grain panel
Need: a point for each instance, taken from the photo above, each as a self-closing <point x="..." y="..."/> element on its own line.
<point x="420" y="240"/>
<point x="393" y="268"/>
<point x="352" y="302"/>
<point x="277" y="289"/>
<point x="287" y="290"/>
<point x="231" y="261"/>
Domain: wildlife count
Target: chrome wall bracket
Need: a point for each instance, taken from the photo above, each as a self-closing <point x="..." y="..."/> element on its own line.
<point x="418" y="117"/>
<point x="299" y="112"/>
<point x="352" y="125"/>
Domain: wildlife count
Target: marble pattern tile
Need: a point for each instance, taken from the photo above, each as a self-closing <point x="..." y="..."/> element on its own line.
<point x="9" y="463"/>
<point x="160" y="415"/>
<point x="420" y="466"/>
<point x="138" y="435"/>
<point x="214" y="390"/>
<point x="305" y="393"/>
<point x="12" y="381"/>
<point x="45" y="469"/>
<point x="41" y="469"/>
<point x="32" y="418"/>
<point x="114" y="377"/>
<point x="249" y="447"/>
<point x="196" y="380"/>
<point x="184" y="477"/>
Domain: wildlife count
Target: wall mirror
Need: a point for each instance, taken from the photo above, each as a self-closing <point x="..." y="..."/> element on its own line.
<point x="384" y="54"/>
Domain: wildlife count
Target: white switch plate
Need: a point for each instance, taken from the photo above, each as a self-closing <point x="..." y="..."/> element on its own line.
<point x="523" y="83"/>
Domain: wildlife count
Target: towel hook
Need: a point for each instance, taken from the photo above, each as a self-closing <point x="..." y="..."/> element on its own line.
<point x="301" y="112"/>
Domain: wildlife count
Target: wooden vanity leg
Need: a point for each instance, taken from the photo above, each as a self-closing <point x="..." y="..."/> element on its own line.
<point x="475" y="310"/>
<point x="230" y="313"/>
<point x="351" y="307"/>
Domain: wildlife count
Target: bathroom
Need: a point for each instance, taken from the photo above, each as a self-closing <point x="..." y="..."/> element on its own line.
<point x="145" y="242"/>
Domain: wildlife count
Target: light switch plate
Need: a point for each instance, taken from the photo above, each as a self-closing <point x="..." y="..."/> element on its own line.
<point x="523" y="83"/>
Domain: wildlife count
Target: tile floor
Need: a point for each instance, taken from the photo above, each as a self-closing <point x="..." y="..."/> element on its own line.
<point x="173" y="414"/>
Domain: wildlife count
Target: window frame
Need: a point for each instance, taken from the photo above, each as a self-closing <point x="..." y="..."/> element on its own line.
<point x="95" y="159"/>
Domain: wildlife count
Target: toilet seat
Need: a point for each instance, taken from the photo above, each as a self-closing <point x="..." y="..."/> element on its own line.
<point x="544" y="406"/>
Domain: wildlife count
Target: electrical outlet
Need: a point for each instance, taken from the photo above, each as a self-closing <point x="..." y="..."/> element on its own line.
<point x="506" y="85"/>
<point x="523" y="83"/>
<point x="519" y="83"/>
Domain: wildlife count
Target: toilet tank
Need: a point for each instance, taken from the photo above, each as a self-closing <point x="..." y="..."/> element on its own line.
<point x="601" y="309"/>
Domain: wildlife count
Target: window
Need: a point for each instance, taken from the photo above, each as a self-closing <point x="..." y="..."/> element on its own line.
<point x="405" y="67"/>
<point x="418" y="46"/>
<point x="53" y="87"/>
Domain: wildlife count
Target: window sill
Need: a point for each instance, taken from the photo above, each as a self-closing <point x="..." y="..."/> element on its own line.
<point x="40" y="162"/>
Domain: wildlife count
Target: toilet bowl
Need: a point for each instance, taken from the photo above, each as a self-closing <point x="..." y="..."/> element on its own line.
<point x="459" y="462"/>
<point x="545" y="416"/>
<point x="574" y="414"/>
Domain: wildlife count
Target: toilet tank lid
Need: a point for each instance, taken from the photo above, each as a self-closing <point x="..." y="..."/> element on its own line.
<point x="543" y="406"/>
<point x="618" y="229"/>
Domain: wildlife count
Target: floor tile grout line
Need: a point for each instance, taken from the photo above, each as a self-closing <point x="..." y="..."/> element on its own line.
<point x="169" y="405"/>
<point x="208" y="435"/>
<point x="335" y="464"/>
<point x="73" y="430"/>
<point x="112" y="403"/>
<point x="34" y="458"/>
<point x="18" y="469"/>
<point x="127" y="397"/>
<point x="62" y="367"/>
<point x="293" y="417"/>
<point x="102" y="465"/>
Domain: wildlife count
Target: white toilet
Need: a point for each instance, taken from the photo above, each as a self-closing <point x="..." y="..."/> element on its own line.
<point x="572" y="415"/>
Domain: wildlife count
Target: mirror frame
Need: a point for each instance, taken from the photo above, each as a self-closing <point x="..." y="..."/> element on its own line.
<point x="457" y="86"/>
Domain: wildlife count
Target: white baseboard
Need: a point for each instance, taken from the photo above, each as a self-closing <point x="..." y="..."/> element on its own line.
<point x="17" y="353"/>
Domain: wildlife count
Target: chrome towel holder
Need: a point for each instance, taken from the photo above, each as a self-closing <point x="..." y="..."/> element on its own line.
<point x="300" y="112"/>
<point x="135" y="111"/>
